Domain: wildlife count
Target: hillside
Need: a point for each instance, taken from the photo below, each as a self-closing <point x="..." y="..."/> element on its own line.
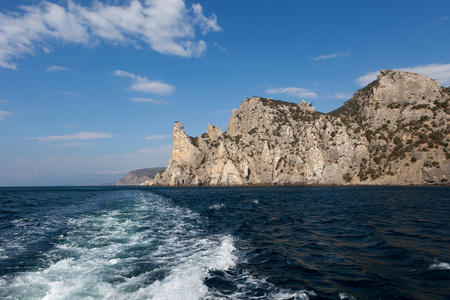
<point x="137" y="177"/>
<point x="395" y="131"/>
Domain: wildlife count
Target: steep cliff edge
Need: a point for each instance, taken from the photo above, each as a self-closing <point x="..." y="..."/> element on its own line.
<point x="393" y="131"/>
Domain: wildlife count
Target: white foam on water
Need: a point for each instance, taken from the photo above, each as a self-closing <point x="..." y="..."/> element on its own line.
<point x="285" y="295"/>
<point x="250" y="287"/>
<point x="216" y="206"/>
<point x="24" y="230"/>
<point x="2" y="254"/>
<point x="186" y="279"/>
<point x="344" y="296"/>
<point x="440" y="266"/>
<point x="153" y="250"/>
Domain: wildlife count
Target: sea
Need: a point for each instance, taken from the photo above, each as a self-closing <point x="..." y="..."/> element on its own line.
<point x="184" y="243"/>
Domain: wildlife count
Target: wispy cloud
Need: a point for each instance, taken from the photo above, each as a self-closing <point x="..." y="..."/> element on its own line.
<point x="4" y="114"/>
<point x="75" y="136"/>
<point x="167" y="27"/>
<point x="223" y="112"/>
<point x="75" y="144"/>
<point x="440" y="72"/>
<point x="158" y="137"/>
<point x="293" y="91"/>
<point x="445" y="18"/>
<point x="111" y="172"/>
<point x="206" y="24"/>
<point x="166" y="149"/>
<point x="3" y="101"/>
<point x="367" y="78"/>
<point x="142" y="84"/>
<point x="55" y="68"/>
<point x="341" y="96"/>
<point x="62" y="158"/>
<point x="162" y="150"/>
<point x="70" y="93"/>
<point x="331" y="55"/>
<point x="148" y="100"/>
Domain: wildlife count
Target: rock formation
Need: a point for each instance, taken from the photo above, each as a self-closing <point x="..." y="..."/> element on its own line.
<point x="138" y="177"/>
<point x="395" y="131"/>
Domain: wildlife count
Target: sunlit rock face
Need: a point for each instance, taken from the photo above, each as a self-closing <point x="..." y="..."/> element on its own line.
<point x="393" y="131"/>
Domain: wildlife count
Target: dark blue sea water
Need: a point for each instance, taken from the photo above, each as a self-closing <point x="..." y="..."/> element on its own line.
<point x="225" y="243"/>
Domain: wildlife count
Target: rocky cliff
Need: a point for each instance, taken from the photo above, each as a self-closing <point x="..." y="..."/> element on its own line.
<point x="394" y="131"/>
<point x="138" y="177"/>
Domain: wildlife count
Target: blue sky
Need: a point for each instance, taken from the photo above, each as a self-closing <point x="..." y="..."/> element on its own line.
<point x="91" y="89"/>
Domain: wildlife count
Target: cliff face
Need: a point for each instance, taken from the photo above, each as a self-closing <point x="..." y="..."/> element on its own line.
<point x="394" y="131"/>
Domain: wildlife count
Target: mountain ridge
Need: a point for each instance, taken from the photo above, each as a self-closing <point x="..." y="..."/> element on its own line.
<point x="394" y="131"/>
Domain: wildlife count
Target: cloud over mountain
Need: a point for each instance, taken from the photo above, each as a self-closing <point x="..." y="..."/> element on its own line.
<point x="440" y="72"/>
<point x="293" y="91"/>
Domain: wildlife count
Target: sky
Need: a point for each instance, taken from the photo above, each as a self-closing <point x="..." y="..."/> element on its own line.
<point x="90" y="90"/>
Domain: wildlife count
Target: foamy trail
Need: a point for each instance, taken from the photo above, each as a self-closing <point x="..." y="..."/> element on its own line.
<point x="149" y="249"/>
<point x="186" y="280"/>
<point x="440" y="266"/>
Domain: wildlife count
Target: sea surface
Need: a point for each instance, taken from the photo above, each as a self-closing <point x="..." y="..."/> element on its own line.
<point x="225" y="243"/>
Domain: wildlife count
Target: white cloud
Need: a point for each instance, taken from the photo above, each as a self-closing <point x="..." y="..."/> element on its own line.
<point x="440" y="72"/>
<point x="4" y="114"/>
<point x="148" y="100"/>
<point x="331" y="55"/>
<point x="142" y="84"/>
<point x="125" y="74"/>
<point x="75" y="136"/>
<point x="341" y="96"/>
<point x="206" y="24"/>
<point x="166" y="26"/>
<point x="156" y="87"/>
<point x="3" y="101"/>
<point x="367" y="78"/>
<point x="55" y="68"/>
<point x="158" y="137"/>
<point x="293" y="91"/>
